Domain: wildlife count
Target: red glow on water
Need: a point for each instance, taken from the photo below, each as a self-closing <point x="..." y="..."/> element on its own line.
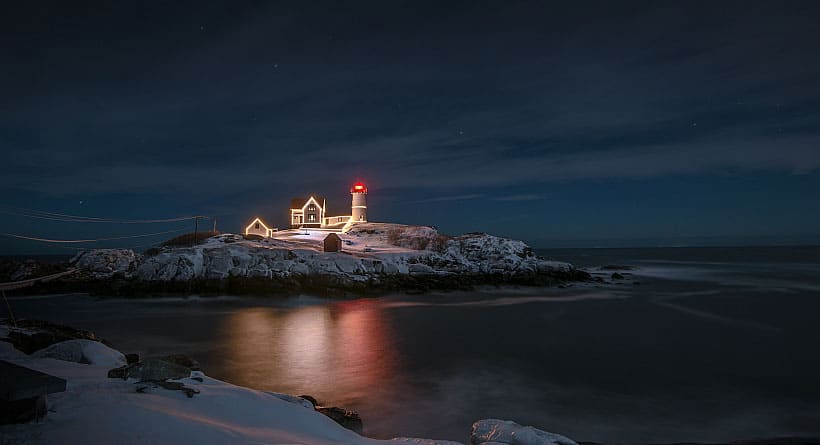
<point x="337" y="353"/>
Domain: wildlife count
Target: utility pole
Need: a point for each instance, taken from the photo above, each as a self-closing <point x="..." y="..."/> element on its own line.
<point x="196" y="227"/>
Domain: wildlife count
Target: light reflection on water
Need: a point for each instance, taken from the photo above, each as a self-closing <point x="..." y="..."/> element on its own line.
<point x="312" y="350"/>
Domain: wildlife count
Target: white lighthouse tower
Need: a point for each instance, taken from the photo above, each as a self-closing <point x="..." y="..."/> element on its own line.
<point x="359" y="206"/>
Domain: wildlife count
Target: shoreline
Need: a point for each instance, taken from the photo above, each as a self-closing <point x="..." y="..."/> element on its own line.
<point x="319" y="285"/>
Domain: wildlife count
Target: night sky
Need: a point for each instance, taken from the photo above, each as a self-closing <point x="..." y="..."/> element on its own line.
<point x="590" y="124"/>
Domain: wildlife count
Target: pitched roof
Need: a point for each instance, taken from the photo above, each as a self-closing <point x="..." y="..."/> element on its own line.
<point x="260" y="221"/>
<point x="298" y="203"/>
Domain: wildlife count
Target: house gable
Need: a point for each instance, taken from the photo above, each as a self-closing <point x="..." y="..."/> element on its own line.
<point x="258" y="227"/>
<point x="307" y="211"/>
<point x="312" y="199"/>
<point x="299" y="204"/>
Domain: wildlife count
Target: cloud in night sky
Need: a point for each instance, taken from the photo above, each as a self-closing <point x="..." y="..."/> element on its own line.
<point x="479" y="105"/>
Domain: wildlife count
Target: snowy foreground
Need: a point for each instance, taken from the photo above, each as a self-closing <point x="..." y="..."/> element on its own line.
<point x="97" y="409"/>
<point x="370" y="252"/>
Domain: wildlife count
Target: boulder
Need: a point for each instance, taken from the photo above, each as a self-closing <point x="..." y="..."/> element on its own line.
<point x="182" y="360"/>
<point x="174" y="366"/>
<point x="346" y="418"/>
<point x="417" y="441"/>
<point x="347" y="264"/>
<point x="118" y="373"/>
<point x="177" y="386"/>
<point x="299" y="269"/>
<point x="32" y="335"/>
<point x="494" y="431"/>
<point x="218" y="263"/>
<point x="151" y="369"/>
<point x="420" y="269"/>
<point x="310" y="399"/>
<point x="146" y="385"/>
<point x="83" y="351"/>
<point x="68" y="351"/>
<point x="13" y="269"/>
<point x="389" y="268"/>
<point x="107" y="263"/>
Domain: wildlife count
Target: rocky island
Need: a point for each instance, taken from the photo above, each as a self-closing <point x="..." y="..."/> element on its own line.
<point x="372" y="258"/>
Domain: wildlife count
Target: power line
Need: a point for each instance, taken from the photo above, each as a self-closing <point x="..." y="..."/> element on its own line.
<point x="58" y="241"/>
<point x="28" y="213"/>
<point x="13" y="210"/>
<point x="12" y="285"/>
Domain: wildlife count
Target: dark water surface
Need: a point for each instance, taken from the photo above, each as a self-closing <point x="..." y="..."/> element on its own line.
<point x="714" y="344"/>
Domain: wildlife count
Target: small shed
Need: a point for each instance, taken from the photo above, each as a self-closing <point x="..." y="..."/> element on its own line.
<point x="333" y="243"/>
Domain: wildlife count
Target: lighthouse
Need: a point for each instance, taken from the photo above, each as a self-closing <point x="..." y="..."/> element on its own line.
<point x="359" y="206"/>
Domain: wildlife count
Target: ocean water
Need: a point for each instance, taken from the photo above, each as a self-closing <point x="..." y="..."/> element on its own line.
<point x="696" y="344"/>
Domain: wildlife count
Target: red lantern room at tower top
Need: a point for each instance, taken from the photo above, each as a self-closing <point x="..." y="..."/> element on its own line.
<point x="358" y="187"/>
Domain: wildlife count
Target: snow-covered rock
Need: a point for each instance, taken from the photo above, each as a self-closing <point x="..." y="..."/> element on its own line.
<point x="370" y="250"/>
<point x="83" y="351"/>
<point x="421" y="269"/>
<point x="155" y="369"/>
<point x="417" y="441"/>
<point x="494" y="431"/>
<point x="107" y="263"/>
<point x="23" y="271"/>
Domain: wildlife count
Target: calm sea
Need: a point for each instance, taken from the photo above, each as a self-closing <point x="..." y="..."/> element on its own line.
<point x="712" y="344"/>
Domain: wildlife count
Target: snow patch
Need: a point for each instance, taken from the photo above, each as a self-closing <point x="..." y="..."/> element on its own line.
<point x="494" y="431"/>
